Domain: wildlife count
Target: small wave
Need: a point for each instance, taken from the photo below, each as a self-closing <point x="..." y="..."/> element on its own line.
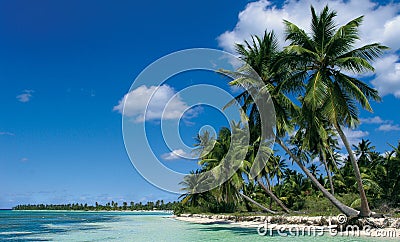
<point x="56" y="226"/>
<point x="15" y="232"/>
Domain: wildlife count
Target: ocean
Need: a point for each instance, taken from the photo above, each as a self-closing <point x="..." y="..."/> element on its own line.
<point x="129" y="226"/>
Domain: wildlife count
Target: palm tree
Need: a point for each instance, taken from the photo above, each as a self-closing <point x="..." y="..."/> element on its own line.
<point x="190" y="185"/>
<point x="268" y="172"/>
<point x="263" y="56"/>
<point x="279" y="166"/>
<point x="314" y="169"/>
<point x="216" y="160"/>
<point x="323" y="57"/>
<point x="364" y="151"/>
<point x="260" y="56"/>
<point x="345" y="178"/>
<point x="318" y="138"/>
<point x="391" y="180"/>
<point x="294" y="186"/>
<point x="330" y="159"/>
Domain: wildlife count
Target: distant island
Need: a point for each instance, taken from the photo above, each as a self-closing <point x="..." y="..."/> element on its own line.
<point x="110" y="206"/>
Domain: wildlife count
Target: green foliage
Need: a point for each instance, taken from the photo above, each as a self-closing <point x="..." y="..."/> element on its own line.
<point x="314" y="69"/>
<point x="315" y="206"/>
<point x="110" y="206"/>
<point x="380" y="177"/>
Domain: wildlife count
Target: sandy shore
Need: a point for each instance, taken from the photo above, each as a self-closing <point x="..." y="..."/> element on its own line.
<point x="216" y="219"/>
<point x="295" y="225"/>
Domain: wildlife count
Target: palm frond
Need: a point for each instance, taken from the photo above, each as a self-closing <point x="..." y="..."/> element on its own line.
<point x="316" y="90"/>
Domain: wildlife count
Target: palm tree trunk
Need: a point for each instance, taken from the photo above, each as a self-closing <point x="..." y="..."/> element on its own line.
<point x="257" y="204"/>
<point x="365" y="211"/>
<point x="350" y="212"/>
<point x="269" y="188"/>
<point x="248" y="207"/>
<point x="328" y="173"/>
<point x="272" y="196"/>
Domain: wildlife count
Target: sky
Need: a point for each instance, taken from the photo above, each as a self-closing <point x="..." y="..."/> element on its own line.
<point x="67" y="67"/>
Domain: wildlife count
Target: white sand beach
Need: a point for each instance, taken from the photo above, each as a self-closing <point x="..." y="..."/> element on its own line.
<point x="371" y="227"/>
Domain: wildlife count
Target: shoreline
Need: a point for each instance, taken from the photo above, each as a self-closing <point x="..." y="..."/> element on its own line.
<point x="106" y="211"/>
<point x="284" y="225"/>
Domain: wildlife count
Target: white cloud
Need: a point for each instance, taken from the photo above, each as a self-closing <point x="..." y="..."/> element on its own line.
<point x="381" y="24"/>
<point x="389" y="127"/>
<point x="353" y="136"/>
<point x="25" y="96"/>
<point x="384" y="125"/>
<point x="175" y="154"/>
<point x="152" y="103"/>
<point x="7" y="133"/>
<point x="387" y="79"/>
<point x="193" y="112"/>
<point x="373" y="120"/>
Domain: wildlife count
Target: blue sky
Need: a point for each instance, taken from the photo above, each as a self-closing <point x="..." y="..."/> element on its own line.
<point x="65" y="65"/>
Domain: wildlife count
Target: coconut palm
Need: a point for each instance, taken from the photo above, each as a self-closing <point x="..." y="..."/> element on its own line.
<point x="260" y="56"/>
<point x="323" y="57"/>
<point x="263" y="54"/>
<point x="330" y="159"/>
<point x="295" y="187"/>
<point x="190" y="184"/>
<point x="316" y="137"/>
<point x="364" y="151"/>
<point x="314" y="169"/>
<point x="216" y="160"/>
<point x="391" y="180"/>
<point x="269" y="171"/>
<point x="279" y="166"/>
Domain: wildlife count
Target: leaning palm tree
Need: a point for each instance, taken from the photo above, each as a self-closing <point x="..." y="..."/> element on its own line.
<point x="189" y="185"/>
<point x="262" y="57"/>
<point x="324" y="57"/>
<point x="216" y="160"/>
<point x="329" y="158"/>
<point x="317" y="137"/>
<point x="268" y="172"/>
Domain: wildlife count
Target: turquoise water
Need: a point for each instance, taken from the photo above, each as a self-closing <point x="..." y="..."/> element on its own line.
<point x="127" y="226"/>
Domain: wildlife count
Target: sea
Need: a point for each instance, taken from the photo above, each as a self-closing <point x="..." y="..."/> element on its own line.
<point x="131" y="226"/>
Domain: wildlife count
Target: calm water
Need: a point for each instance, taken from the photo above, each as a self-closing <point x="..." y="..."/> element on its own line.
<point x="125" y="226"/>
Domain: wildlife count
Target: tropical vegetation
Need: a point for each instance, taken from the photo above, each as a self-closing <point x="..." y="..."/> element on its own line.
<point x="313" y="86"/>
<point x="110" y="206"/>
